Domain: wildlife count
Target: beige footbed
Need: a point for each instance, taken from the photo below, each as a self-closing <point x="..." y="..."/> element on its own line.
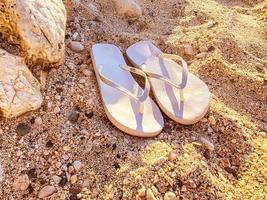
<point x="122" y="110"/>
<point x="196" y="93"/>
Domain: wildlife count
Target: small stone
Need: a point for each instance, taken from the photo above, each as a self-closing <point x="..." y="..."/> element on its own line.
<point x="71" y="169"/>
<point x="1" y="173"/>
<point x="38" y="121"/>
<point x="183" y="189"/>
<point x="82" y="81"/>
<point x="73" y="179"/>
<point x="74" y="116"/>
<point x="210" y="130"/>
<point x="202" y="55"/>
<point x="150" y="195"/>
<point x="46" y="191"/>
<point x="203" y="49"/>
<point x="58" y="165"/>
<point x="170" y="196"/>
<point x="1" y="131"/>
<point x="141" y="192"/>
<point x="46" y="153"/>
<point x="206" y="143"/>
<point x="128" y="8"/>
<point x="77" y="165"/>
<point x="57" y="110"/>
<point x="212" y="120"/>
<point x="21" y="183"/>
<point x="65" y="157"/>
<point x="225" y="162"/>
<point x="56" y="179"/>
<point x="77" y="47"/>
<point x="188" y="49"/>
<point x="234" y="141"/>
<point x="87" y="72"/>
<point x="66" y="148"/>
<point x="172" y="155"/>
<point x="23" y="129"/>
<point x="75" y="35"/>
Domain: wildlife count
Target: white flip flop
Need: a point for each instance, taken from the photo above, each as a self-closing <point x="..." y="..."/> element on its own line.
<point x="126" y="104"/>
<point x="180" y="94"/>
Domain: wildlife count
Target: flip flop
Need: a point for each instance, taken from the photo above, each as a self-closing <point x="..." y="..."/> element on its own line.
<point x="180" y="94"/>
<point x="126" y="104"/>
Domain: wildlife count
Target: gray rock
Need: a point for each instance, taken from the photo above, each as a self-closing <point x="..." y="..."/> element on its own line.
<point x="1" y="173"/>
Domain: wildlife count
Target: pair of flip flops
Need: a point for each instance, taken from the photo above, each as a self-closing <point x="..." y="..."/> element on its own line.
<point x="181" y="95"/>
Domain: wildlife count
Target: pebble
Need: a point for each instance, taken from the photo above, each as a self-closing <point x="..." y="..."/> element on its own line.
<point x="56" y="179"/>
<point x="77" y="165"/>
<point x="73" y="179"/>
<point x="141" y="192"/>
<point x="1" y="173"/>
<point x="87" y="72"/>
<point x="46" y="191"/>
<point x="188" y="49"/>
<point x="82" y="81"/>
<point x="58" y="165"/>
<point x="38" y="121"/>
<point x="65" y="157"/>
<point x="75" y="35"/>
<point x="212" y="120"/>
<point x="128" y="8"/>
<point x="225" y="162"/>
<point x="206" y="143"/>
<point x="77" y="47"/>
<point x="202" y="55"/>
<point x="170" y="196"/>
<point x="23" y="129"/>
<point x="74" y="116"/>
<point x="66" y="148"/>
<point x="172" y="155"/>
<point x="21" y="183"/>
<point x="71" y="169"/>
<point x="57" y="110"/>
<point x="150" y="195"/>
<point x="1" y="131"/>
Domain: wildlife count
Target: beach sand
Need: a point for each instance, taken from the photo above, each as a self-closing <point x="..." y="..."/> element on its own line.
<point x="225" y="44"/>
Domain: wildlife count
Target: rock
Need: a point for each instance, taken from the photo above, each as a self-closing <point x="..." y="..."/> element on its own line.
<point x="74" y="116"/>
<point x="1" y="173"/>
<point x="202" y="55"/>
<point x="141" y="193"/>
<point x="150" y="195"/>
<point x="87" y="72"/>
<point x="21" y="183"/>
<point x="46" y="191"/>
<point x="77" y="165"/>
<point x="73" y="179"/>
<point x="188" y="49"/>
<point x="128" y="8"/>
<point x="212" y="120"/>
<point x="38" y="121"/>
<point x="170" y="196"/>
<point x="77" y="47"/>
<point x="19" y="90"/>
<point x="37" y="25"/>
<point x="56" y="179"/>
<point x="23" y="129"/>
<point x="205" y="143"/>
<point x="172" y="155"/>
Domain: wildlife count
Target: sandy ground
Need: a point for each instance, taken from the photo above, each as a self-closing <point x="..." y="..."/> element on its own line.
<point x="229" y="40"/>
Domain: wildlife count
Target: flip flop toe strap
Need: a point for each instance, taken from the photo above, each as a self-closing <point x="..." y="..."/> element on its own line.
<point x="182" y="85"/>
<point x="141" y="98"/>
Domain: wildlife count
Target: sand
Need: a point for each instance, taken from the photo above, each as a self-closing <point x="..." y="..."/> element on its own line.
<point x="225" y="43"/>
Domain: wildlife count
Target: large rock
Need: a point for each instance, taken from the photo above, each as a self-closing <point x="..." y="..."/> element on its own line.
<point x="37" y="25"/>
<point x="19" y="90"/>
